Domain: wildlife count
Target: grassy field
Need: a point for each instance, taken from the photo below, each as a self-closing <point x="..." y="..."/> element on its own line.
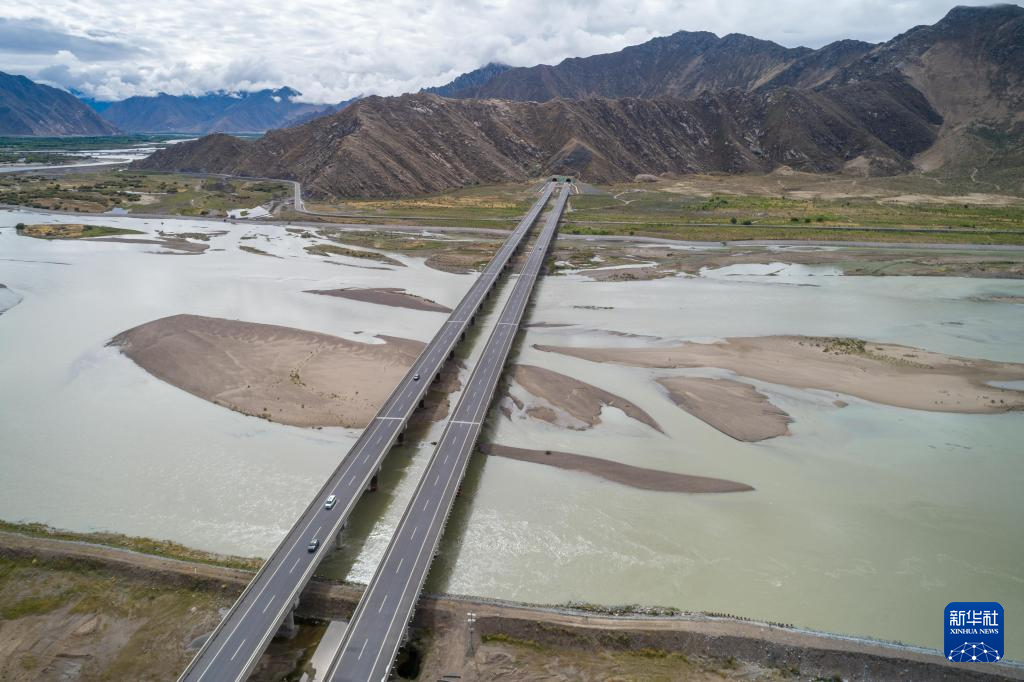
<point x="747" y="233"/>
<point x="155" y="193"/>
<point x="799" y="206"/>
<point x="494" y="206"/>
<point x="640" y="208"/>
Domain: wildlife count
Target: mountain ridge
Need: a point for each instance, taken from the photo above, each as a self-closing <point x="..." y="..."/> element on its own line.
<point x="699" y="103"/>
<point x="33" y="109"/>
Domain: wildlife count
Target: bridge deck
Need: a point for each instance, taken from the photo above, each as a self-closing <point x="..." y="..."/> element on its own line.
<point x="379" y="622"/>
<point x="234" y="648"/>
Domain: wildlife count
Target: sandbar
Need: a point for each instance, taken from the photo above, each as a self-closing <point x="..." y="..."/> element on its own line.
<point x="884" y="373"/>
<point x="8" y="299"/>
<point x="285" y="375"/>
<point x="626" y="474"/>
<point x="736" y="409"/>
<point x="581" y="400"/>
<point x="394" y="297"/>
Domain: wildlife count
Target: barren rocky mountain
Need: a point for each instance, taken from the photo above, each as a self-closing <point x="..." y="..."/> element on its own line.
<point x="970" y="68"/>
<point x="683" y="64"/>
<point x="30" y="108"/>
<point x="687" y="103"/>
<point x="424" y="143"/>
<point x="469" y="81"/>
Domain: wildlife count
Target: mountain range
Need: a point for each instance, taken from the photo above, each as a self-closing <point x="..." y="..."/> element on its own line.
<point x="683" y="64"/>
<point x="244" y="112"/>
<point x="947" y="96"/>
<point x="30" y="108"/>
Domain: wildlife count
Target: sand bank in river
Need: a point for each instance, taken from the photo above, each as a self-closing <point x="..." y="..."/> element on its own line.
<point x="581" y="401"/>
<point x="999" y="298"/>
<point x="394" y="297"/>
<point x="626" y="474"/>
<point x="177" y="245"/>
<point x="285" y="375"/>
<point x="8" y="299"/>
<point x="176" y="242"/>
<point x="883" y="373"/>
<point x="734" y="408"/>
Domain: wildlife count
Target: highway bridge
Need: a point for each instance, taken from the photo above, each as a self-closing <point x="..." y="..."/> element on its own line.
<point x="379" y="623"/>
<point x="235" y="646"/>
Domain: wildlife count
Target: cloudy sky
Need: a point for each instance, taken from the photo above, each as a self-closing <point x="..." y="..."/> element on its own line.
<point x="335" y="49"/>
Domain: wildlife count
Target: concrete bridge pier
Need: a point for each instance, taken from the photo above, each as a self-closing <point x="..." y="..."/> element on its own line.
<point x="339" y="538"/>
<point x="371" y="487"/>
<point x="288" y="627"/>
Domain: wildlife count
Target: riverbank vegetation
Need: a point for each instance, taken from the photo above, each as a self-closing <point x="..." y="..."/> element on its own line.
<point x="146" y="193"/>
<point x="70" y="230"/>
<point x="789" y="206"/>
<point x="161" y="548"/>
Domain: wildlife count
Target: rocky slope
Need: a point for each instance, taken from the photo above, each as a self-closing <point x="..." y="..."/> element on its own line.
<point x="223" y="112"/>
<point x="969" y="67"/>
<point x="937" y="96"/>
<point x="30" y="108"/>
<point x="424" y="143"/>
<point x="468" y="82"/>
<point x="683" y="64"/>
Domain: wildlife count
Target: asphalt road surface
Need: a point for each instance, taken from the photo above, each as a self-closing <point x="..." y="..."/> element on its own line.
<point x="234" y="648"/>
<point x="380" y="620"/>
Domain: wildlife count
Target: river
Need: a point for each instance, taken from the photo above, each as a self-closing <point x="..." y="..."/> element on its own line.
<point x="866" y="520"/>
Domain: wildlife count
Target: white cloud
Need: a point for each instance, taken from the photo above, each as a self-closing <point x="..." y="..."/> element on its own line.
<point x="334" y="50"/>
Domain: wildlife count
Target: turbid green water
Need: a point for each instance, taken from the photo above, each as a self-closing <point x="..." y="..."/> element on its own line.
<point x="92" y="442"/>
<point x="866" y="520"/>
